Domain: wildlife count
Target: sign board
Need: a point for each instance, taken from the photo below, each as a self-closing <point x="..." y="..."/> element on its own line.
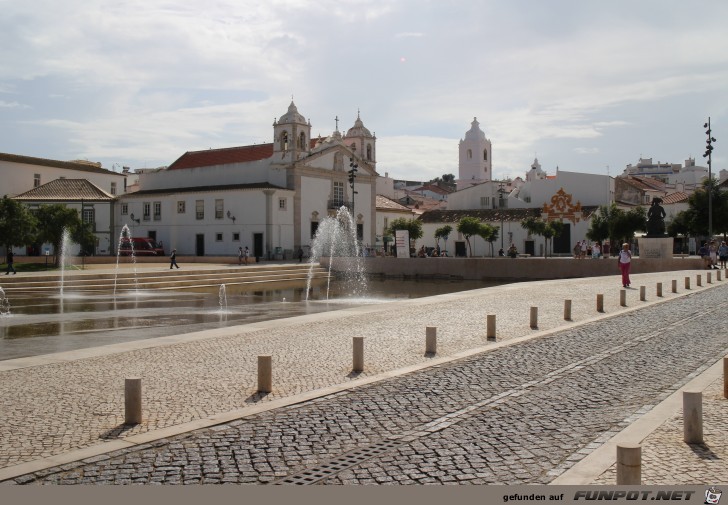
<point x="402" y="240"/>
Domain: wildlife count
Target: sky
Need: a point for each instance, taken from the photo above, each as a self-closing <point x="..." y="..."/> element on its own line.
<point x="584" y="86"/>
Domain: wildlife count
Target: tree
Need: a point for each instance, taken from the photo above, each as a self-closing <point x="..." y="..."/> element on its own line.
<point x="489" y="233"/>
<point x="469" y="226"/>
<point x="443" y="233"/>
<point x="53" y="219"/>
<point x="17" y="224"/>
<point x="616" y="224"/>
<point x="698" y="210"/>
<point x="413" y="226"/>
<point x="548" y="230"/>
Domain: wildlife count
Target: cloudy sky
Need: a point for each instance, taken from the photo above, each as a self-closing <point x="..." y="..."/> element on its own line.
<point x="583" y="85"/>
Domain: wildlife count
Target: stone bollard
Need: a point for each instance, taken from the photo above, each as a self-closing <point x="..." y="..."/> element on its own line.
<point x="431" y="340"/>
<point x="687" y="282"/>
<point x="699" y="280"/>
<point x="709" y="278"/>
<point x="674" y="285"/>
<point x="534" y="317"/>
<point x="567" y="310"/>
<point x="693" y="417"/>
<point x="265" y="374"/>
<point x="718" y="276"/>
<point x="490" y="327"/>
<point x="629" y="465"/>
<point x="725" y="377"/>
<point x="600" y="303"/>
<point x="643" y="293"/>
<point x="659" y="289"/>
<point x="133" y="400"/>
<point x="358" y="361"/>
<point x="622" y="297"/>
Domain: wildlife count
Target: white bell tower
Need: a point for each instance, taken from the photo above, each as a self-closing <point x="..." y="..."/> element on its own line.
<point x="291" y="136"/>
<point x="475" y="160"/>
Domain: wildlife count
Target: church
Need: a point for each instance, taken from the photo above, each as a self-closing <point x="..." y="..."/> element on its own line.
<point x="267" y="197"/>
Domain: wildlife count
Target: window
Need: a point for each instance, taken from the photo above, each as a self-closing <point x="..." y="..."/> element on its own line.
<point x="353" y="146"/>
<point x="36" y="180"/>
<point x="282" y="204"/>
<point x="181" y="207"/>
<point x="527" y="199"/>
<point x="360" y="231"/>
<point x="218" y="237"/>
<point x="485" y="201"/>
<point x="113" y="188"/>
<point x="284" y="141"/>
<point x="157" y="211"/>
<point x="314" y="227"/>
<point x="88" y="215"/>
<point x="302" y="141"/>
<point x="236" y="237"/>
<point x="470" y="154"/>
<point x="147" y="211"/>
<point x="219" y="209"/>
<point x="338" y="194"/>
<point x="369" y="152"/>
<point x="200" y="209"/>
<point x="485" y="154"/>
<point x="124" y="209"/>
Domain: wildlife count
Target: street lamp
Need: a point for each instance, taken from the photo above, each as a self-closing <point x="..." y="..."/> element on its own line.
<point x="500" y="207"/>
<point x="708" y="154"/>
<point x="353" y="167"/>
<point x="137" y="221"/>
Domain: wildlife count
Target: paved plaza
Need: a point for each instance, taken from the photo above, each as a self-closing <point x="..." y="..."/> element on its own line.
<point x="535" y="406"/>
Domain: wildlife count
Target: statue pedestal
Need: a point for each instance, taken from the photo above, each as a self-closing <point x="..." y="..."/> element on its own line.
<point x="655" y="248"/>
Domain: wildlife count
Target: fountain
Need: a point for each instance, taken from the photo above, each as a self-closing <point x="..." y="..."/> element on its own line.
<point x="222" y="297"/>
<point x="4" y="304"/>
<point x="65" y="243"/>
<point x="126" y="233"/>
<point x="336" y="238"/>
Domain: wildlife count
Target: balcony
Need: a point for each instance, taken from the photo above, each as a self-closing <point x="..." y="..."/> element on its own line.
<point x="337" y="203"/>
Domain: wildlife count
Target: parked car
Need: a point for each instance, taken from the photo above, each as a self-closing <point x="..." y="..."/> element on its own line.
<point x="142" y="246"/>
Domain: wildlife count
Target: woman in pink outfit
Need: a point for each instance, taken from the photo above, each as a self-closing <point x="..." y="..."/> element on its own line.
<point x="625" y="259"/>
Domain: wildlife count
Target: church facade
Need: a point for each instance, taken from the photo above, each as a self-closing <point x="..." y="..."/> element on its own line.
<point x="267" y="197"/>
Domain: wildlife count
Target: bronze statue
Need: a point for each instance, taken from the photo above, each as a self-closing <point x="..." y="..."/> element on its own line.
<point x="656" y="219"/>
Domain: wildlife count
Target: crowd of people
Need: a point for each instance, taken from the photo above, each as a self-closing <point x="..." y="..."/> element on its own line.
<point x="584" y="249"/>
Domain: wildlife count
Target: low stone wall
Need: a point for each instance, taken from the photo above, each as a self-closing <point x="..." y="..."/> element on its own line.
<point x="515" y="268"/>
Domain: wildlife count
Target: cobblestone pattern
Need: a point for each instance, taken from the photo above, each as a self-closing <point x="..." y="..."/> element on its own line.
<point x="537" y="408"/>
<point x="51" y="409"/>
<point x="668" y="460"/>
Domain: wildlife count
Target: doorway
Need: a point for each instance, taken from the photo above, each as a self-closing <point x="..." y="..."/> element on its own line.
<point x="200" y="244"/>
<point x="257" y="245"/>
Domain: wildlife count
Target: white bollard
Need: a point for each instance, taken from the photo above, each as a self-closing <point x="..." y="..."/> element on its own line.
<point x="674" y="285"/>
<point x="622" y="297"/>
<point x="693" y="417"/>
<point x="699" y="280"/>
<point x="567" y="310"/>
<point x="643" y="293"/>
<point x="687" y="282"/>
<point x="659" y="289"/>
<point x="600" y="303"/>
<point x="358" y="358"/>
<point x="265" y="374"/>
<point x="629" y="465"/>
<point x="133" y="400"/>
<point x="718" y="275"/>
<point x="709" y="278"/>
<point x="534" y="317"/>
<point x="431" y="340"/>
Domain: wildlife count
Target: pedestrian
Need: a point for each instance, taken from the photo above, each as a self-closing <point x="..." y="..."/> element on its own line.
<point x="173" y="259"/>
<point x="9" y="257"/>
<point x="246" y="254"/>
<point x="723" y="254"/>
<point x="583" y="249"/>
<point x="704" y="254"/>
<point x="596" y="251"/>
<point x="240" y="255"/>
<point x="300" y="254"/>
<point x="713" y="251"/>
<point x="625" y="260"/>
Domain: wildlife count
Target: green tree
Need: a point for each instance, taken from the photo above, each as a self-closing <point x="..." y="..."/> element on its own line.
<point x="698" y="210"/>
<point x="17" y="224"/>
<point x="616" y="224"/>
<point x="413" y="226"/>
<point x="443" y="233"/>
<point x="489" y="233"/>
<point x="548" y="230"/>
<point x="53" y="219"/>
<point x="469" y="226"/>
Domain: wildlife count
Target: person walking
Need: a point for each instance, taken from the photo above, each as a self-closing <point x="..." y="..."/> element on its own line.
<point x="173" y="259"/>
<point x="723" y="254"/>
<point x="246" y="254"/>
<point x="9" y="258"/>
<point x="300" y="254"/>
<point x="625" y="260"/>
<point x="240" y="255"/>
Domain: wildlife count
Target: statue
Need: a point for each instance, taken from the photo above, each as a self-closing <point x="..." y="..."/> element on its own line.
<point x="656" y="219"/>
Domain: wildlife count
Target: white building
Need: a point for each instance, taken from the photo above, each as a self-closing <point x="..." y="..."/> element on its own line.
<point x="475" y="157"/>
<point x="689" y="175"/>
<point x="268" y="197"/>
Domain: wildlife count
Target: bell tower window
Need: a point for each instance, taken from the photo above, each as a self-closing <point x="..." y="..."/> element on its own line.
<point x="369" y="152"/>
<point x="302" y="141"/>
<point x="284" y="141"/>
<point x="470" y="154"/>
<point x="485" y="154"/>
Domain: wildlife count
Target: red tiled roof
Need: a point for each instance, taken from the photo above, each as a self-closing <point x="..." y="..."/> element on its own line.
<point x="384" y="203"/>
<point x="66" y="190"/>
<point x="211" y="157"/>
<point x="677" y="197"/>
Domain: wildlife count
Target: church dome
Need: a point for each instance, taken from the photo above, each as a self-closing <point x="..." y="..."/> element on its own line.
<point x="475" y="133"/>
<point x="359" y="130"/>
<point x="292" y="116"/>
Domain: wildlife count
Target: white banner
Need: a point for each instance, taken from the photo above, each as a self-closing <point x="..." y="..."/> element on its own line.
<point x="402" y="240"/>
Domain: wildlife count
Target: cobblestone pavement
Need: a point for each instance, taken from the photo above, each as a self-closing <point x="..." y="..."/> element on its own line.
<point x="522" y="413"/>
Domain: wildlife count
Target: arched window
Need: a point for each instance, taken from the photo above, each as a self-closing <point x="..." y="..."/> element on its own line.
<point x="485" y="154"/>
<point x="284" y="141"/>
<point x="353" y="146"/>
<point x="470" y="154"/>
<point x="369" y="152"/>
<point x="302" y="141"/>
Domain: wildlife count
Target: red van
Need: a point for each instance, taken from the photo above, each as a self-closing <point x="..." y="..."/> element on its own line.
<point x="142" y="246"/>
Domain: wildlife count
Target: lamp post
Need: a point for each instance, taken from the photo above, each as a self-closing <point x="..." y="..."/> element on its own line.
<point x="708" y="154"/>
<point x="353" y="167"/>
<point x="500" y="207"/>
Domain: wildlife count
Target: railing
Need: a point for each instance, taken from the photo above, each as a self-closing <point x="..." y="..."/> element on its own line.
<point x="335" y="204"/>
